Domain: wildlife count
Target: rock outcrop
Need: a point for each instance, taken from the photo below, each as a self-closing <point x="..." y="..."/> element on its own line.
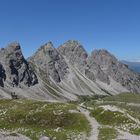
<point x="74" y="52"/>
<point x="2" y="75"/>
<point x="77" y="56"/>
<point x="117" y="70"/>
<point x="17" y="70"/>
<point x="51" y="62"/>
<point x="64" y="73"/>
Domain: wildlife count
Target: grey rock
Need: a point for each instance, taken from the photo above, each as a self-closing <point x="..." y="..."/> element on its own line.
<point x="2" y="75"/>
<point x="51" y="62"/>
<point x="117" y="70"/>
<point x="96" y="70"/>
<point x="64" y="73"/>
<point x="44" y="138"/>
<point x="17" y="68"/>
<point x="74" y="53"/>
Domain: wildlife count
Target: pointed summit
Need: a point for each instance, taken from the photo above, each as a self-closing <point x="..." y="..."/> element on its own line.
<point x="72" y="47"/>
<point x="13" y="46"/>
<point x="50" y="62"/>
<point x="17" y="69"/>
<point x="48" y="45"/>
<point x="75" y="53"/>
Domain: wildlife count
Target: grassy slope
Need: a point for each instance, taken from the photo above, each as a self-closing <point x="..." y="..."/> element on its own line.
<point x="33" y="119"/>
<point x="124" y="97"/>
<point x="109" y="120"/>
<point x="107" y="133"/>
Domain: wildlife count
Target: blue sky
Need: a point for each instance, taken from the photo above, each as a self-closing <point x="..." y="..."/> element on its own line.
<point x="110" y="24"/>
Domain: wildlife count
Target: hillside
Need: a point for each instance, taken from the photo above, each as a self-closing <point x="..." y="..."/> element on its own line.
<point x="63" y="73"/>
<point x="66" y="94"/>
<point x="97" y="118"/>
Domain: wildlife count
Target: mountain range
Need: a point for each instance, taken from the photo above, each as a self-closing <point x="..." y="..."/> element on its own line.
<point x="63" y="73"/>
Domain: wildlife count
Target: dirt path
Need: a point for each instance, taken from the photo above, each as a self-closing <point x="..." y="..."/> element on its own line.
<point x="94" y="124"/>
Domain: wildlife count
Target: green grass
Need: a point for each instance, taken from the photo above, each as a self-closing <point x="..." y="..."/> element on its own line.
<point x="34" y="118"/>
<point x="107" y="117"/>
<point x="135" y="131"/>
<point x="107" y="134"/>
<point x="124" y="97"/>
<point x="128" y="102"/>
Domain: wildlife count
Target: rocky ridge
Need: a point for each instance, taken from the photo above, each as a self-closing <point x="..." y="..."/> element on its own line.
<point x="64" y="73"/>
<point x="15" y="68"/>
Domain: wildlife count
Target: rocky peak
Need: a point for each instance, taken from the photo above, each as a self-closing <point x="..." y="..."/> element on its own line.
<point x="48" y="59"/>
<point x="103" y="58"/>
<point x="74" y="52"/>
<point x="17" y="68"/>
<point x="13" y="46"/>
<point x="117" y="70"/>
<point x="71" y="48"/>
<point x="77" y="56"/>
<point x="45" y="47"/>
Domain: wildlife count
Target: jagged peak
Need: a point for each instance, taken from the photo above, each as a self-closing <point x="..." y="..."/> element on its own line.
<point x="12" y="51"/>
<point x="99" y="51"/>
<point x="46" y="46"/>
<point x="72" y="43"/>
<point x="102" y="53"/>
<point x="72" y="46"/>
<point x="14" y="46"/>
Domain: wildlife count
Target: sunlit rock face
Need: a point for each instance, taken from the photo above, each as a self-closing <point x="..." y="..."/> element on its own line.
<point x="117" y="70"/>
<point x="63" y="73"/>
<point x="48" y="59"/>
<point x="17" y="70"/>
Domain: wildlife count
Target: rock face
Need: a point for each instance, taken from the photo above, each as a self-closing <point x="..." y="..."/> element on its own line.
<point x="77" y="56"/>
<point x="94" y="68"/>
<point x="2" y="75"/>
<point x="100" y="65"/>
<point x="74" y="53"/>
<point x="64" y="73"/>
<point x="117" y="70"/>
<point x="51" y="62"/>
<point x="17" y="69"/>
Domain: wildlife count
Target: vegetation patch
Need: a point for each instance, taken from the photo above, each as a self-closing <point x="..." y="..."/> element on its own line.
<point x="107" y="117"/>
<point x="35" y="119"/>
<point x="124" y="97"/>
<point x="135" y="131"/>
<point x="107" y="133"/>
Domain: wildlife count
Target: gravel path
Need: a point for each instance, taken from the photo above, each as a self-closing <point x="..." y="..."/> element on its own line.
<point x="94" y="124"/>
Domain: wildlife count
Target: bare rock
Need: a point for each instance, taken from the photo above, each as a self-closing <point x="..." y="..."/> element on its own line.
<point x="77" y="56"/>
<point x="51" y="62"/>
<point x="2" y="75"/>
<point x="44" y="138"/>
<point x="117" y="70"/>
<point x="16" y="67"/>
<point x="74" y="53"/>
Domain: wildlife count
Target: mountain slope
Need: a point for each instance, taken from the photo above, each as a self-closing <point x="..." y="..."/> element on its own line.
<point x="117" y="70"/>
<point x="64" y="73"/>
